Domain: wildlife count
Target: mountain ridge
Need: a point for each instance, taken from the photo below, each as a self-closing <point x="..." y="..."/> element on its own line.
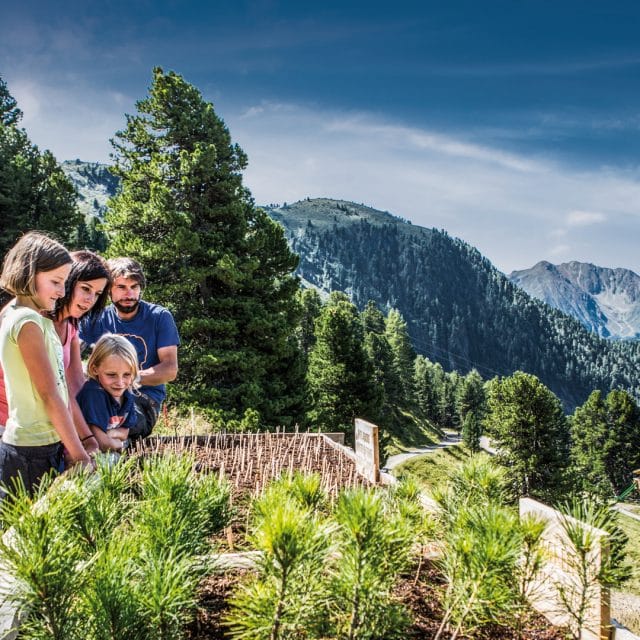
<point x="460" y="310"/>
<point x="605" y="300"/>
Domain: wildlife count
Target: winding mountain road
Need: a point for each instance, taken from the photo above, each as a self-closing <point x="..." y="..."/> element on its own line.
<point x="451" y="438"/>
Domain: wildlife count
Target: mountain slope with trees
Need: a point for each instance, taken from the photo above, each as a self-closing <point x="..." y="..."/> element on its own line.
<point x="460" y="310"/>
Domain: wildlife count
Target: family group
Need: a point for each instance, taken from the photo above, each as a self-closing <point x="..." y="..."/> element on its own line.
<point x="53" y="415"/>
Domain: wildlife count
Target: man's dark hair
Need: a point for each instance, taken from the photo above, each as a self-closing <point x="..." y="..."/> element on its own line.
<point x="127" y="268"/>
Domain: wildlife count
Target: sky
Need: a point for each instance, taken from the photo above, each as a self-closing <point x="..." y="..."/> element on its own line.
<point x="514" y="125"/>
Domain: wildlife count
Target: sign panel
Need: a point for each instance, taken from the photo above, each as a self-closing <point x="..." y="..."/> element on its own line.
<point x="367" y="452"/>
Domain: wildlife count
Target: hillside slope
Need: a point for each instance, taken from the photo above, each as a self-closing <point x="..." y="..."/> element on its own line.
<point x="94" y="183"/>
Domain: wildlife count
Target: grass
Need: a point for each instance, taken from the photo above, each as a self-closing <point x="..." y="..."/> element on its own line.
<point x="172" y="423"/>
<point x="433" y="469"/>
<point x="632" y="528"/>
<point x="410" y="431"/>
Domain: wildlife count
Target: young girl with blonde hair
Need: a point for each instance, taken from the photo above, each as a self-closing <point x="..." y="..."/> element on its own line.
<point x="106" y="399"/>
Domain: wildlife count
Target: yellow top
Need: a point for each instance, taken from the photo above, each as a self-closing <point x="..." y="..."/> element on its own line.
<point x="28" y="424"/>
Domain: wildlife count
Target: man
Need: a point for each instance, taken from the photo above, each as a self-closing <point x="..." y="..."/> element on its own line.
<point x="152" y="331"/>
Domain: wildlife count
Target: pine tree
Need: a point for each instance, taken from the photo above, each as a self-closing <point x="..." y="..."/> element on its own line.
<point x="220" y="264"/>
<point x="448" y="414"/>
<point x="472" y="431"/>
<point x="404" y="355"/>
<point x="589" y="426"/>
<point x="605" y="443"/>
<point x="380" y="355"/>
<point x="310" y="304"/>
<point x="34" y="191"/>
<point x="530" y="431"/>
<point x="470" y="405"/>
<point x="372" y="319"/>
<point x="10" y="114"/>
<point x="341" y="377"/>
<point x="428" y="382"/>
<point x="622" y="446"/>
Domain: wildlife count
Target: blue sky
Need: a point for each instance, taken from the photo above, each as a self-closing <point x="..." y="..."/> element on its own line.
<point x="513" y="125"/>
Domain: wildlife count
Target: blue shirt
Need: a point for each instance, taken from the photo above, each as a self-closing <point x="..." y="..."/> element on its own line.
<point x="102" y="410"/>
<point x="152" y="328"/>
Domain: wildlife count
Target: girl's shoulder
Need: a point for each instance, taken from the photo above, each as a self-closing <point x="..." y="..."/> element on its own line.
<point x="90" y="388"/>
<point x="15" y="317"/>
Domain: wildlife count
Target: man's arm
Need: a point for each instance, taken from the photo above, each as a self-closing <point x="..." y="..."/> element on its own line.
<point x="165" y="371"/>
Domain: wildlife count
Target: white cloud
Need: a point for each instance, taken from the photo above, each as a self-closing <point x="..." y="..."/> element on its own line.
<point x="560" y="250"/>
<point x="584" y="218"/>
<point x="431" y="141"/>
<point x="507" y="205"/>
<point x="511" y="206"/>
<point x="29" y="101"/>
<point x="74" y="124"/>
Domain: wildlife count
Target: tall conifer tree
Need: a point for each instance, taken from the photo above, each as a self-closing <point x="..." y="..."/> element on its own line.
<point x="220" y="264"/>
<point x="605" y="443"/>
<point x="470" y="404"/>
<point x="34" y="191"/>
<point x="397" y="335"/>
<point x="589" y="426"/>
<point x="429" y="382"/>
<point x="341" y="377"/>
<point x="381" y="357"/>
<point x="530" y="431"/>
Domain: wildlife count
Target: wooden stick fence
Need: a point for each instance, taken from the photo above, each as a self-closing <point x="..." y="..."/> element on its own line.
<point x="251" y="460"/>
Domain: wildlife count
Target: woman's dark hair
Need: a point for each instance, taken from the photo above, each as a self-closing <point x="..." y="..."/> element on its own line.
<point x="86" y="266"/>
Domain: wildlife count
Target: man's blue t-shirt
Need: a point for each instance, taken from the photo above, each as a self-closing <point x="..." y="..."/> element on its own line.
<point x="100" y="409"/>
<point x="152" y="328"/>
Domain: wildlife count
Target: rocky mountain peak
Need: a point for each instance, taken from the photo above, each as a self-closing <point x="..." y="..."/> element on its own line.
<point x="605" y="300"/>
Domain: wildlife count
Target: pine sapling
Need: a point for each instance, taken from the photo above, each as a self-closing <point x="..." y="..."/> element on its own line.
<point x="288" y="595"/>
<point x="374" y="544"/>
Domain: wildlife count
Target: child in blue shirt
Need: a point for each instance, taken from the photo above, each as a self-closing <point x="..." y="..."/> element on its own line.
<point x="106" y="399"/>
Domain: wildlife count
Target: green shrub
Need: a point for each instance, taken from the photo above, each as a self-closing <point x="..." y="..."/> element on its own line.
<point x="43" y="553"/>
<point x="374" y="543"/>
<point x="286" y="598"/>
<point x="180" y="508"/>
<point x="113" y="554"/>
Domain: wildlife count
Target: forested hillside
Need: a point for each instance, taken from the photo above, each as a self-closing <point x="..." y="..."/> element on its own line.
<point x="460" y="310"/>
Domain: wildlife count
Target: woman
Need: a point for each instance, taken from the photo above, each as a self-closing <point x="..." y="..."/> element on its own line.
<point x="86" y="294"/>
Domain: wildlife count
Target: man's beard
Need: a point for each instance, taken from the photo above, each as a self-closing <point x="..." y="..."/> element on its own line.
<point x="130" y="307"/>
